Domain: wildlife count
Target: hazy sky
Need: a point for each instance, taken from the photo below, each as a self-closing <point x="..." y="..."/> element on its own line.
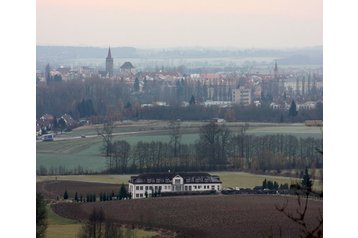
<point x="173" y="23"/>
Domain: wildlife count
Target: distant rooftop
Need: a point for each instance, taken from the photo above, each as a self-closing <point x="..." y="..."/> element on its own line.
<point x="127" y="65"/>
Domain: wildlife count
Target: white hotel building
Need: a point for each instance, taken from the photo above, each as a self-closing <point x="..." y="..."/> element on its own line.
<point x="172" y="182"/>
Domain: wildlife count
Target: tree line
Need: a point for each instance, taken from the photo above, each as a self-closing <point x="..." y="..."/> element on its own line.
<point x="97" y="99"/>
<point x="217" y="148"/>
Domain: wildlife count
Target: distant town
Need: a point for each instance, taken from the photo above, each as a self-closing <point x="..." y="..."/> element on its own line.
<point x="140" y="90"/>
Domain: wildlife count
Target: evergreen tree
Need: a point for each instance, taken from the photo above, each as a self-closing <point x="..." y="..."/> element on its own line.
<point x="192" y="100"/>
<point x="65" y="195"/>
<point x="76" y="197"/>
<point x="307" y="181"/>
<point x="293" y="110"/>
<point x="146" y="194"/>
<point x="275" y="185"/>
<point x="61" y="124"/>
<point x="55" y="123"/>
<point x="264" y="184"/>
<point x="122" y="192"/>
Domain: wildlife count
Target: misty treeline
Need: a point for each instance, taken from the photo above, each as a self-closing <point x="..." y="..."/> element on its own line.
<point x="98" y="99"/>
<point x="217" y="149"/>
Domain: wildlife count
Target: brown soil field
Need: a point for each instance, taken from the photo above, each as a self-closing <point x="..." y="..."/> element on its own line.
<point x="243" y="216"/>
<point x="52" y="189"/>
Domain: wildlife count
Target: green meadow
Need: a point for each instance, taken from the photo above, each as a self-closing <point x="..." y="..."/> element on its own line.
<point x="71" y="151"/>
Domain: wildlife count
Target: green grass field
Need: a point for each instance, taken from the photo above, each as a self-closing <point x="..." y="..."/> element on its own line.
<point x="61" y="227"/>
<point x="85" y="152"/>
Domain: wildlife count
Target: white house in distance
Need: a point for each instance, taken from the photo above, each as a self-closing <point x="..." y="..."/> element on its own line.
<point x="172" y="182"/>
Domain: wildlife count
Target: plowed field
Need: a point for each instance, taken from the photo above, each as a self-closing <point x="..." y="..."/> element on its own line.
<point x="52" y="189"/>
<point x="243" y="216"/>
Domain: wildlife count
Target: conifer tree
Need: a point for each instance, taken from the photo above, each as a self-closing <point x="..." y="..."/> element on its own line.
<point x="122" y="192"/>
<point x="65" y="195"/>
<point x="293" y="109"/>
<point x="192" y="100"/>
<point x="264" y="184"/>
<point x="307" y="181"/>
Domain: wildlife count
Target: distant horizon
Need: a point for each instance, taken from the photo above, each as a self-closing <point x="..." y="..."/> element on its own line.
<point x="183" y="47"/>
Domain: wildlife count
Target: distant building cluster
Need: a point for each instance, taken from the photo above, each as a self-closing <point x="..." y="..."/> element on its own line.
<point x="224" y="89"/>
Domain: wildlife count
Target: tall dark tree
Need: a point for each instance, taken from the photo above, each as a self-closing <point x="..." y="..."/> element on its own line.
<point x="293" y="109"/>
<point x="65" y="195"/>
<point x="120" y="153"/>
<point x="212" y="145"/>
<point x="122" y="192"/>
<point x="192" y="100"/>
<point x="41" y="216"/>
<point x="175" y="136"/>
<point x="95" y="226"/>
<point x="307" y="181"/>
<point x="62" y="124"/>
<point x="55" y="124"/>
<point x="106" y="132"/>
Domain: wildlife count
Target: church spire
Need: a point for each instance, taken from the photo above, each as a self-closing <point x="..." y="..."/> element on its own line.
<point x="109" y="56"/>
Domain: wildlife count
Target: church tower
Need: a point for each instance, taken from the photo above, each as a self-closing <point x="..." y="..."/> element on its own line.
<point x="109" y="64"/>
<point x="276" y="71"/>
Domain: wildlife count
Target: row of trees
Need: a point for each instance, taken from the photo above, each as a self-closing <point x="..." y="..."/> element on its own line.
<point x="62" y="170"/>
<point x="218" y="148"/>
<point x="98" y="98"/>
<point x="92" y="197"/>
<point x="234" y="113"/>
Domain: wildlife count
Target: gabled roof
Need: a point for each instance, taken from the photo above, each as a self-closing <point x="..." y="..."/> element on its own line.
<point x="151" y="178"/>
<point x="68" y="119"/>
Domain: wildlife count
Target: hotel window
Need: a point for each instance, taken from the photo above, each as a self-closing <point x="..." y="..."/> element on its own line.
<point x="141" y="187"/>
<point x="136" y="187"/>
<point x="194" y="187"/>
<point x="199" y="187"/>
<point x="212" y="186"/>
<point x="137" y="195"/>
<point x="146" y="187"/>
<point x="141" y="195"/>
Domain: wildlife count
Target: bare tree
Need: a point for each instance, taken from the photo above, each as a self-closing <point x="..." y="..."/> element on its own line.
<point x="300" y="214"/>
<point x="106" y="132"/>
<point x="175" y="136"/>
